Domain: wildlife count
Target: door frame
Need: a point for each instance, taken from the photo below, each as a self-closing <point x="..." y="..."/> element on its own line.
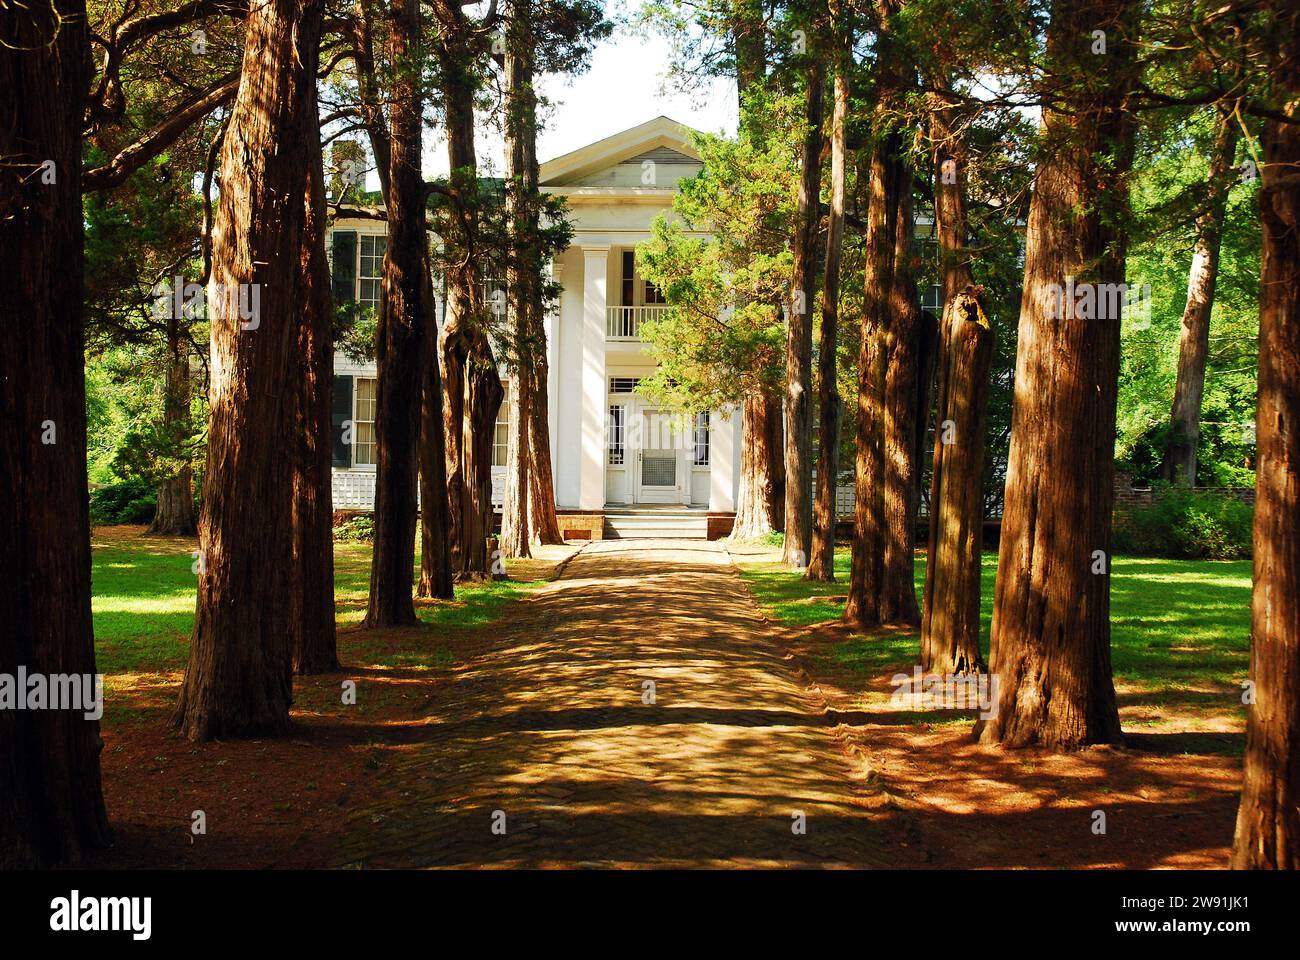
<point x="680" y="492"/>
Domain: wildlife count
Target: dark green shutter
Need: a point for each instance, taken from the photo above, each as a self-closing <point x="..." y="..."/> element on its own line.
<point x="341" y="411"/>
<point x="629" y="271"/>
<point x="345" y="267"/>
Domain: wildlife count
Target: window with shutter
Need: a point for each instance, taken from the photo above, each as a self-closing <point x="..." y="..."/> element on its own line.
<point x="629" y="272"/>
<point x="340" y="414"/>
<point x="344" y="265"/>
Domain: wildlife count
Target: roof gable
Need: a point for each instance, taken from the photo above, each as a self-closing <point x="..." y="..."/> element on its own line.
<point x="659" y="141"/>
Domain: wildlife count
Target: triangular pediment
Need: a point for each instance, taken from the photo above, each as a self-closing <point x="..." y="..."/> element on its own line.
<point x="608" y="161"/>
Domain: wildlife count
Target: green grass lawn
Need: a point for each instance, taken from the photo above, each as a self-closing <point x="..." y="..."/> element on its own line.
<point x="143" y="594"/>
<point x="1180" y="629"/>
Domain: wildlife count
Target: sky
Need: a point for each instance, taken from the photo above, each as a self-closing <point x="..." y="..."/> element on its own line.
<point x="623" y="88"/>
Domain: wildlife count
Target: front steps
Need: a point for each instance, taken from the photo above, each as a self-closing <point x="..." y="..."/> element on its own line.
<point x="659" y="523"/>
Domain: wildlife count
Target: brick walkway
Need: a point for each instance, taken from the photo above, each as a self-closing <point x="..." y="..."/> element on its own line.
<point x="550" y="728"/>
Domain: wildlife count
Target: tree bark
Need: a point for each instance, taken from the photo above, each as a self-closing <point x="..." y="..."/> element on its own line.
<point x="904" y="386"/>
<point x="483" y="395"/>
<point x="755" y="501"/>
<point x="435" y="519"/>
<point x="541" y="484"/>
<point x="174" y="514"/>
<point x="400" y="337"/>
<point x="472" y="385"/>
<point x="315" y="648"/>
<point x="1050" y="647"/>
<point x="749" y="46"/>
<point x="772" y="426"/>
<point x="1268" y="820"/>
<point x="521" y="202"/>
<point x="51" y="802"/>
<point x="1194" y="338"/>
<point x="950" y="613"/>
<point x="866" y="571"/>
<point x="368" y="92"/>
<point x="950" y="622"/>
<point x="821" y="565"/>
<point x="239" y="680"/>
<point x="798" y="384"/>
<point x="543" y="523"/>
<point x="515" y="539"/>
<point x="760" y="501"/>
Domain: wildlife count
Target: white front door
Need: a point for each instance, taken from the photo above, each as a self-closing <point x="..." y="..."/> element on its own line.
<point x="658" y="463"/>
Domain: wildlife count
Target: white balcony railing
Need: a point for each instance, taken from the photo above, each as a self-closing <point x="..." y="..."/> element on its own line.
<point x="624" y="323"/>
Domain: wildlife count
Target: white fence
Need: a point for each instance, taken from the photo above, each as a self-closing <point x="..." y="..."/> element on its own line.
<point x="355" y="489"/>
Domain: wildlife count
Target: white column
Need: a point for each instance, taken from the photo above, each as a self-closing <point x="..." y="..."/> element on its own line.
<point x="552" y="326"/>
<point x="591" y="476"/>
<point x="723" y="460"/>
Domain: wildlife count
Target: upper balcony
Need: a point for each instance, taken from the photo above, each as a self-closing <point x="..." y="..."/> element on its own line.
<point x="624" y="323"/>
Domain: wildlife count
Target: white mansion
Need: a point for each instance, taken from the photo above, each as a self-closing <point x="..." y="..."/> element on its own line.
<point x="621" y="466"/>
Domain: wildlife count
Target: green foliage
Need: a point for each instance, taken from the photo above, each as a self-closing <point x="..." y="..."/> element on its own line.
<point x="722" y="336"/>
<point x="131" y="501"/>
<point x="127" y="436"/>
<point x="142" y="238"/>
<point x="354" y="331"/>
<point x="139" y="237"/>
<point x="1186" y="524"/>
<point x="358" y="529"/>
<point x="1169" y="191"/>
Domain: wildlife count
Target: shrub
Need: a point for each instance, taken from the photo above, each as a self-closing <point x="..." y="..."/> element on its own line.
<point x="1186" y="524"/>
<point x="357" y="529"/>
<point x="131" y="501"/>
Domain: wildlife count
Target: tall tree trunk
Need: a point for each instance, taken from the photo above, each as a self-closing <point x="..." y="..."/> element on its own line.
<point x="472" y="385"/>
<point x="435" y="519"/>
<point x="314" y="643"/>
<point x="543" y="524"/>
<point x="239" y="680"/>
<point x="755" y="500"/>
<point x="821" y="565"/>
<point x="949" y="154"/>
<point x="904" y="387"/>
<point x="453" y="353"/>
<point x="866" y="570"/>
<point x="400" y="337"/>
<point x="51" y="802"/>
<point x="483" y="395"/>
<point x="950" y="613"/>
<point x="760" y="500"/>
<point x="749" y="46"/>
<point x="1050" y="647"/>
<point x="950" y="622"/>
<point x="521" y="115"/>
<point x="1194" y="339"/>
<point x="798" y="383"/>
<point x="174" y="514"/>
<point x="771" y="419"/>
<point x="369" y="95"/>
<point x="1268" y="821"/>
<point x="541" y="483"/>
<point x="515" y="539"/>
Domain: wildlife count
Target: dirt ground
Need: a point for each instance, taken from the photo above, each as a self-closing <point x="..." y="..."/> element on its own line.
<point x="971" y="806"/>
<point x="543" y="718"/>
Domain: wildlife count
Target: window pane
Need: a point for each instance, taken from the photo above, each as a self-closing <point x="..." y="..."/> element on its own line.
<point x="363" y="418"/>
<point x="614" y="435"/>
<point x="372" y="269"/>
<point x="501" y="437"/>
<point x="701" y="440"/>
<point x="365" y="443"/>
